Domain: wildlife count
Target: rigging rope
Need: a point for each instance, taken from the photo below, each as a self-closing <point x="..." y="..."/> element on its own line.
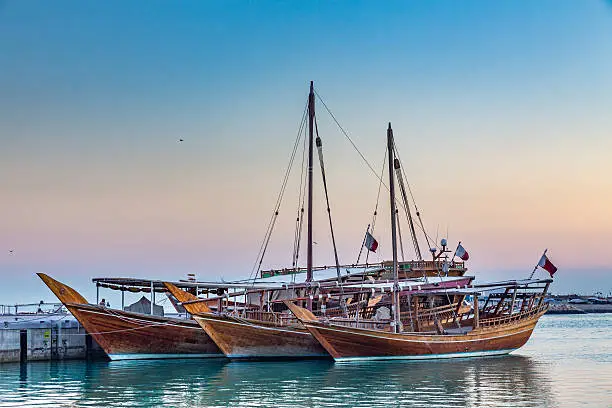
<point x="370" y="166"/>
<point x="400" y="181"/>
<point x="130" y="321"/>
<point x="349" y="138"/>
<point x="404" y="203"/>
<point x="264" y="245"/>
<point x="399" y="234"/>
<point x="380" y="184"/>
<point x="418" y="213"/>
<point x="373" y="224"/>
<point x="319" y="145"/>
<point x="363" y="244"/>
<point x="300" y="211"/>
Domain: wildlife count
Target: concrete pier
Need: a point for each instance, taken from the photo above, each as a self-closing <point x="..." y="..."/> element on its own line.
<point x="43" y="335"/>
<point x="47" y="344"/>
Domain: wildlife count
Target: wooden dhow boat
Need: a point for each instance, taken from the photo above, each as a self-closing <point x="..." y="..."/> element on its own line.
<point x="499" y="327"/>
<point x="262" y="335"/>
<point x="264" y="328"/>
<point x="253" y="331"/>
<point x="240" y="338"/>
<point x="267" y="329"/>
<point x="128" y="335"/>
<point x="468" y="333"/>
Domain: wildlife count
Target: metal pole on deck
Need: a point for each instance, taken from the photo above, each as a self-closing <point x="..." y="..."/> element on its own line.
<point x="476" y="312"/>
<point x="97" y="293"/>
<point x="152" y="298"/>
<point x="122" y="298"/>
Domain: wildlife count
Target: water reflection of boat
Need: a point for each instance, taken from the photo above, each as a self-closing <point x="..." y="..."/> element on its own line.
<point x="517" y="380"/>
<point x="511" y="381"/>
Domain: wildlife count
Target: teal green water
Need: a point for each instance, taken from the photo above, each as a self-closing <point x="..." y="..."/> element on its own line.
<point x="567" y="363"/>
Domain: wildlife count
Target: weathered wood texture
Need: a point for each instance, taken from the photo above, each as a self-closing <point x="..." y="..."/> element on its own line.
<point x="249" y="338"/>
<point x="120" y="333"/>
<point x="63" y="292"/>
<point x="244" y="338"/>
<point x="346" y="342"/>
<point x="183" y="296"/>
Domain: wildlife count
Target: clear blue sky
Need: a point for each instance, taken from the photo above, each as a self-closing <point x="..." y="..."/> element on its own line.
<point x="500" y="107"/>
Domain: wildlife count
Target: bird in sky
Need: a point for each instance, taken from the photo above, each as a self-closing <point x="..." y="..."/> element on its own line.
<point x="181" y="140"/>
<point x="10" y="252"/>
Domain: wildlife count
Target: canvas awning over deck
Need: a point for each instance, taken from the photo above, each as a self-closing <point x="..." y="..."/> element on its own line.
<point x="270" y="283"/>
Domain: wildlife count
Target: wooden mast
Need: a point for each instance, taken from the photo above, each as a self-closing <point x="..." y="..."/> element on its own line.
<point x="311" y="107"/>
<point x="396" y="311"/>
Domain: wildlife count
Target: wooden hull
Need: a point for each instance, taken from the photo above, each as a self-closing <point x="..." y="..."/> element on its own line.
<point x="346" y="344"/>
<point x="244" y="339"/>
<point x="128" y="335"/>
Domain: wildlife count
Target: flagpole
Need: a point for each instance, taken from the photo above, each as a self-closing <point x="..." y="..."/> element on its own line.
<point x="362" y="244"/>
<point x="455" y="254"/>
<point x="538" y="264"/>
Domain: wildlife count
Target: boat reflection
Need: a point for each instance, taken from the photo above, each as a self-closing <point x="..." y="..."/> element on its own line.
<point x="505" y="381"/>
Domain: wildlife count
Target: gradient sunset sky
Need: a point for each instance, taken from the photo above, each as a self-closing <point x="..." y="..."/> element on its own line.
<point x="502" y="112"/>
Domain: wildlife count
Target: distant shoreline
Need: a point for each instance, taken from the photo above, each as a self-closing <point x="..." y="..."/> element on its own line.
<point x="566" y="308"/>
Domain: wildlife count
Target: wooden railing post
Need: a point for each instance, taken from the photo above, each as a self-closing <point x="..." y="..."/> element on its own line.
<point x="476" y="312"/>
<point x="543" y="294"/>
<point x="524" y="302"/>
<point x="501" y="301"/>
<point x="513" y="300"/>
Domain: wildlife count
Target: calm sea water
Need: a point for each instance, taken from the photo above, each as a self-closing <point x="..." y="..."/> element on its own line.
<point x="567" y="363"/>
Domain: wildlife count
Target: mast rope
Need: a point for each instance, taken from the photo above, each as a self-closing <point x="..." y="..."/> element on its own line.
<point x="373" y="223"/>
<point x="421" y="226"/>
<point x="300" y="211"/>
<point x="418" y="213"/>
<point x="349" y="138"/>
<point x="399" y="234"/>
<point x="131" y="329"/>
<point x="264" y="245"/>
<point x="424" y="232"/>
<point x="319" y="145"/>
<point x="406" y="205"/>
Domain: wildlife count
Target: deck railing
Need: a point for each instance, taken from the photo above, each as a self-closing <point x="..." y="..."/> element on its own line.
<point x="282" y="319"/>
<point x="362" y="324"/>
<point x="402" y="266"/>
<point x="495" y="321"/>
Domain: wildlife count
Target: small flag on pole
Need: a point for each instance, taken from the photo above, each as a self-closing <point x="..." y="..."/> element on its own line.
<point x="370" y="242"/>
<point x="462" y="253"/>
<point x="547" y="265"/>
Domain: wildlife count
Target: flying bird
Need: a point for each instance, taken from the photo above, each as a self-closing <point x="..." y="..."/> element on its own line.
<point x="181" y="140"/>
<point x="10" y="251"/>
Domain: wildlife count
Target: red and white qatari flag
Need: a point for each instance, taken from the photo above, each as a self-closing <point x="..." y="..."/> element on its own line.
<point x="462" y="253"/>
<point x="547" y="265"/>
<point x="370" y="242"/>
